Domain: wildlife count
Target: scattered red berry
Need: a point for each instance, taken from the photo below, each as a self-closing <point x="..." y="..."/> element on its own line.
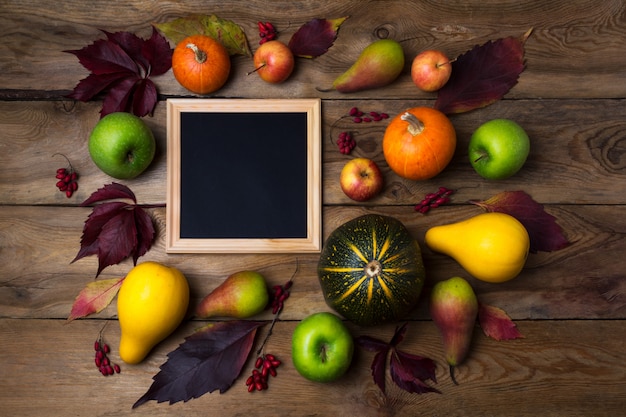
<point x="434" y="200"/>
<point x="267" y="32"/>
<point x="67" y="179"/>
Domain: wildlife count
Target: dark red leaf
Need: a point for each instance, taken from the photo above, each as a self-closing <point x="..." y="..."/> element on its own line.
<point x="544" y="232"/>
<point x="398" y="336"/>
<point x="158" y="53"/>
<point x="371" y="344"/>
<point x="379" y="364"/>
<point x="105" y="57"/>
<point x="145" y="92"/>
<point x="93" y="85"/>
<point x="419" y="366"/>
<point x="117" y="239"/>
<point x="145" y="233"/>
<point x="110" y="192"/>
<point x="121" y="66"/>
<point x="99" y="216"/>
<point x="115" y="229"/>
<point x="482" y="75"/>
<point x="405" y="376"/>
<point x="119" y="96"/>
<point x="409" y="372"/>
<point x="208" y="360"/>
<point x="496" y="323"/>
<point x="315" y="37"/>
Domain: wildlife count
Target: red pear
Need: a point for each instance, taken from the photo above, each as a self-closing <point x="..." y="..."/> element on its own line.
<point x="242" y="295"/>
<point x="454" y="309"/>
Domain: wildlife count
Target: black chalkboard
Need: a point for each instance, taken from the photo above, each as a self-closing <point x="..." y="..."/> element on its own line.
<point x="243" y="176"/>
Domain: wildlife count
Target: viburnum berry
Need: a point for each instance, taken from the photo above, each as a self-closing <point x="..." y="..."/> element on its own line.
<point x="102" y="361"/>
<point x="67" y="179"/>
<point x="434" y="200"/>
<point x="265" y="366"/>
<point x="346" y="143"/>
<point x="267" y="32"/>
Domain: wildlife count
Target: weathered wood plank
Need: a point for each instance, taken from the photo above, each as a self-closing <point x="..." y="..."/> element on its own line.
<point x="576" y="156"/>
<point x="584" y="280"/>
<point x="552" y="371"/>
<point x="571" y="40"/>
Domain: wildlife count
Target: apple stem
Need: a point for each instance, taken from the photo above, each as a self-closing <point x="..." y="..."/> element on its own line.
<point x="415" y="125"/>
<point x="256" y="69"/>
<point x="480" y="157"/>
<point x="199" y="53"/>
<point x="446" y="63"/>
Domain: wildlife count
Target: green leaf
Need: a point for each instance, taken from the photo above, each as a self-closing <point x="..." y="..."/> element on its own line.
<point x="225" y="31"/>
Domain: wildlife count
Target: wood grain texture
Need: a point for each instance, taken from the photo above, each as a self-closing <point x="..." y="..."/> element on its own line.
<point x="551" y="372"/>
<point x="577" y="155"/>
<point x="570" y="305"/>
<point x="581" y="281"/>
<point x="570" y="40"/>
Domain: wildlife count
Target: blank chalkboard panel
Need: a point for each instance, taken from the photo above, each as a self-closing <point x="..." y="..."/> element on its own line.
<point x="243" y="176"/>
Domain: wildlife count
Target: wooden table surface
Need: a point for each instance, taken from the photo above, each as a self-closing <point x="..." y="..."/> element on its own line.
<point x="570" y="305"/>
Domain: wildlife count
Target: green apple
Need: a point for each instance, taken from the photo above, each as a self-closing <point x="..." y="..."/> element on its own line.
<point x="498" y="149"/>
<point x="321" y="347"/>
<point x="121" y="145"/>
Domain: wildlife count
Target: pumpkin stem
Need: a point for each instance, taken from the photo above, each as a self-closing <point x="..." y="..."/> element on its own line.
<point x="415" y="125"/>
<point x="373" y="268"/>
<point x="200" y="54"/>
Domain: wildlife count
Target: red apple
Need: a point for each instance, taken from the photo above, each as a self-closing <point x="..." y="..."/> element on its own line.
<point x="273" y="61"/>
<point x="361" y="179"/>
<point x="430" y="70"/>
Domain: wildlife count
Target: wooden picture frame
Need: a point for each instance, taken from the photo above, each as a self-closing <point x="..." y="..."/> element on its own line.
<point x="243" y="176"/>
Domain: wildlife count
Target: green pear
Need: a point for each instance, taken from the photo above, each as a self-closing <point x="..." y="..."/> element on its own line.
<point x="379" y="64"/>
<point x="242" y="295"/>
<point x="454" y="309"/>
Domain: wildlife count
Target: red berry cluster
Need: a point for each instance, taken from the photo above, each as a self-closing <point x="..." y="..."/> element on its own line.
<point x="434" y="200"/>
<point x="346" y="143"/>
<point x="67" y="179"/>
<point x="103" y="363"/>
<point x="267" y="32"/>
<point x="281" y="293"/>
<point x="264" y="366"/>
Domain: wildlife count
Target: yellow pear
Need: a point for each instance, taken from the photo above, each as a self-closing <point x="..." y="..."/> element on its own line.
<point x="492" y="247"/>
<point x="151" y="303"/>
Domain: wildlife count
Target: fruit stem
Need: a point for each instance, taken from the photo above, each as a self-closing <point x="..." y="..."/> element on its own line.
<point x="452" y="375"/>
<point x="67" y="159"/>
<point x="200" y="54"/>
<point x="256" y="69"/>
<point x="415" y="125"/>
<point x="446" y="63"/>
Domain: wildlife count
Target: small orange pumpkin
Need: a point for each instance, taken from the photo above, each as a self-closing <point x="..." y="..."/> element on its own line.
<point x="419" y="143"/>
<point x="201" y="64"/>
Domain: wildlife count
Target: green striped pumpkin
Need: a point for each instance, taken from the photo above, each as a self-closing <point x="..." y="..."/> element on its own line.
<point x="371" y="270"/>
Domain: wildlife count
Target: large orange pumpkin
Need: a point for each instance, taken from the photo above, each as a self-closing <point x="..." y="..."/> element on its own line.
<point x="200" y="64"/>
<point x="419" y="143"/>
